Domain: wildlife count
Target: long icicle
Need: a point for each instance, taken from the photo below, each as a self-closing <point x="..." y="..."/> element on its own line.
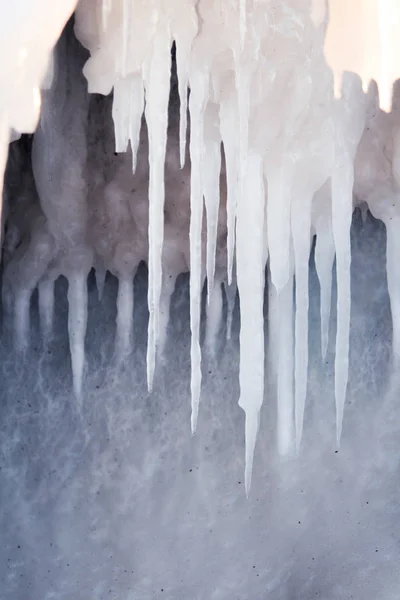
<point x="228" y="118"/>
<point x="251" y="281"/>
<point x="301" y="231"/>
<point x="197" y="102"/>
<point x="157" y="82"/>
<point x="342" y="209"/>
<point x="211" y="170"/>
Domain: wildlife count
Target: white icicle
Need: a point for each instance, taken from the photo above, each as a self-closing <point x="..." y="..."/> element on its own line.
<point x="22" y="319"/>
<point x="324" y="258"/>
<point x="4" y="139"/>
<point x="230" y="291"/>
<point x="214" y="317"/>
<point x="121" y="114"/>
<point x="106" y="6"/>
<point x="198" y="97"/>
<point x="100" y="276"/>
<point x="301" y="231"/>
<point x="342" y="208"/>
<point x="285" y="368"/>
<point x="124" y="329"/>
<point x="228" y="118"/>
<point x="392" y="265"/>
<point x="77" y="322"/>
<point x="157" y="82"/>
<point x="168" y="287"/>
<point x="242" y="26"/>
<point x="211" y="170"/>
<point x="250" y="278"/>
<point x="278" y="222"/>
<point x="46" y="307"/>
<point x="135" y="115"/>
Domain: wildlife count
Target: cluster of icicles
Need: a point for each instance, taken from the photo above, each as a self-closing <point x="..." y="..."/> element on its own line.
<point x="294" y="158"/>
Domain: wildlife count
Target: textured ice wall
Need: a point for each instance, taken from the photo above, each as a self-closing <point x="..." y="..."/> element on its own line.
<point x="117" y="500"/>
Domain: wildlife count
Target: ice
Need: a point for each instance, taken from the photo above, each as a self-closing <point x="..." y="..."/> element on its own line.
<point x="46" y="307"/>
<point x="22" y="319"/>
<point x="197" y="104"/>
<point x="349" y="122"/>
<point x="100" y="274"/>
<point x="214" y="317"/>
<point x="250" y="278"/>
<point x="228" y="119"/>
<point x="156" y="81"/>
<point x="230" y="291"/>
<point x="123" y="339"/>
<point x="211" y="168"/>
<point x="77" y="322"/>
<point x="324" y="259"/>
<point x="301" y="226"/>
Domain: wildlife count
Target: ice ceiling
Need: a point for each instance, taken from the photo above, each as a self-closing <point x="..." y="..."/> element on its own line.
<point x="278" y="120"/>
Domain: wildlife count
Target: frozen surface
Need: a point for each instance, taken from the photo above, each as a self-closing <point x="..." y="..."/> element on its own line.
<point x="114" y="498"/>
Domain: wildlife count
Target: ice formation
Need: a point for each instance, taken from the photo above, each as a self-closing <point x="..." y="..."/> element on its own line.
<point x="280" y="149"/>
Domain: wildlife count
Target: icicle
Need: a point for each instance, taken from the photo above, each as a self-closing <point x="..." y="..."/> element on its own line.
<point x="364" y="212"/>
<point x="157" y="82"/>
<point x="214" y="317"/>
<point x="135" y="115"/>
<point x="100" y="275"/>
<point x="392" y="265"/>
<point x="342" y="208"/>
<point x="211" y="170"/>
<point x="127" y="111"/>
<point x="242" y="27"/>
<point x="250" y="277"/>
<point x="185" y="31"/>
<point x="301" y="231"/>
<point x="324" y="258"/>
<point x="124" y="317"/>
<point x="182" y="67"/>
<point x="228" y="118"/>
<point x="46" y="307"/>
<point x="77" y="322"/>
<point x="278" y="221"/>
<point x="197" y="102"/>
<point x="284" y="312"/>
<point x="168" y="287"/>
<point x="4" y="138"/>
<point x="121" y="114"/>
<point x="230" y="291"/>
<point x="22" y="319"/>
<point x="106" y="6"/>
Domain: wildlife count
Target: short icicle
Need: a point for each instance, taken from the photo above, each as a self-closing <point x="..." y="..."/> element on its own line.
<point x="46" y="307"/>
<point x="392" y="263"/>
<point x="124" y="331"/>
<point x="100" y="276"/>
<point x="77" y="323"/>
<point x="22" y="319"/>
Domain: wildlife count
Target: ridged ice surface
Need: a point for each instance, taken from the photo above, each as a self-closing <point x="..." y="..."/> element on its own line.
<point x="113" y="497"/>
